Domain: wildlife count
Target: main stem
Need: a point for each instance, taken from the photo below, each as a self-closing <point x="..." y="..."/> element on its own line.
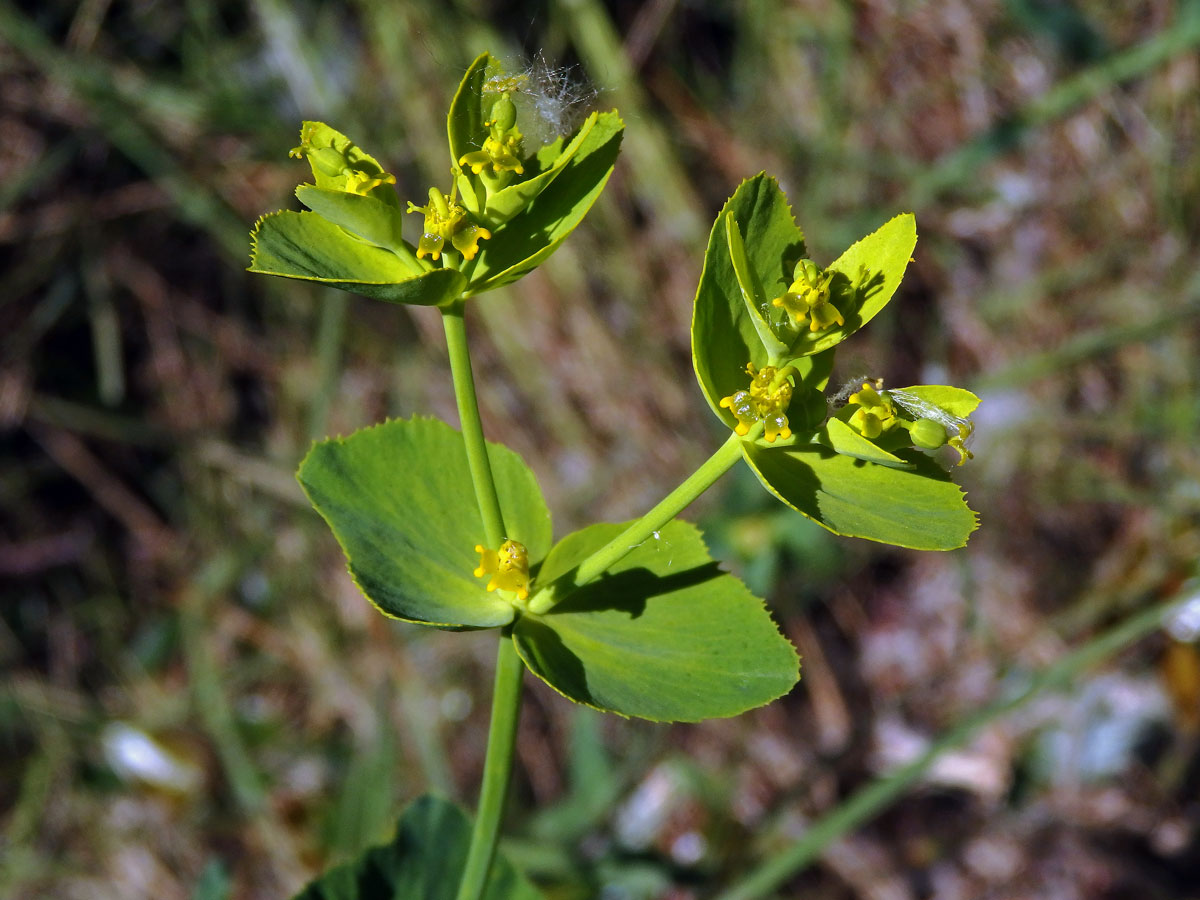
<point x="472" y="428"/>
<point x="506" y="694"/>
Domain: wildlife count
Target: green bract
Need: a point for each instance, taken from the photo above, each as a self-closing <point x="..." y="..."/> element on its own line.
<point x="422" y="862"/>
<point x="532" y="211"/>
<point x="351" y="239"/>
<point x="509" y="208"/>
<point x="765" y="326"/>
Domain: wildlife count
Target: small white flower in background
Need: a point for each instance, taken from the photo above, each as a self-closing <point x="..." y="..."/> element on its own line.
<point x="136" y="756"/>
<point x="1183" y="623"/>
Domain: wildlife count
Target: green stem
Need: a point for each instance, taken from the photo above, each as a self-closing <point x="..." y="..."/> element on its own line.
<point x="472" y="428"/>
<point x="667" y="509"/>
<point x="506" y="696"/>
<point x="871" y="800"/>
<point x="501" y="745"/>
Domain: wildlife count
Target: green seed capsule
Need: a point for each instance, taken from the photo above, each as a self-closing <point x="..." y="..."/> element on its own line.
<point x="927" y="434"/>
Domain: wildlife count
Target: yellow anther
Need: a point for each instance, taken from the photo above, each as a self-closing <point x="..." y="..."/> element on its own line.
<point x="508" y="566"/>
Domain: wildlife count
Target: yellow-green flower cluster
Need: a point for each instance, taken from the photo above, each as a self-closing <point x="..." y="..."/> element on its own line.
<point x="509" y="568"/>
<point x="807" y="299"/>
<point x="766" y="401"/>
<point x="931" y="427"/>
<point x="446" y="220"/>
<point x="335" y="156"/>
<point x="876" y="412"/>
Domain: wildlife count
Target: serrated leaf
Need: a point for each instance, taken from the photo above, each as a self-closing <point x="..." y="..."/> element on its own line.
<point x="309" y="247"/>
<point x="528" y="238"/>
<point x="663" y="635"/>
<point x="424" y="861"/>
<point x="919" y="507"/>
<point x="865" y="278"/>
<point x="399" y="499"/>
<point x="724" y="336"/>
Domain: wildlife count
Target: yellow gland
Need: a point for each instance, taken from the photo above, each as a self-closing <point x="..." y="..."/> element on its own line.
<point x="508" y="566"/>
<point x="766" y="401"/>
<point x="740" y="404"/>
<point x="807" y="298"/>
<point x="446" y="220"/>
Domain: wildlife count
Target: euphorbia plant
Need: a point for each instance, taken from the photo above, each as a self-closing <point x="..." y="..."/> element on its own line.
<point x="441" y="528"/>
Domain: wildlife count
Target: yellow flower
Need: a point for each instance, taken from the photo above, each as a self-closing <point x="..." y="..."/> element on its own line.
<point x="343" y="164"/>
<point x="509" y="568"/>
<point x="499" y="153"/>
<point x="876" y="413"/>
<point x="766" y="401"/>
<point x="447" y="220"/>
<point x="502" y="147"/>
<point x="807" y="298"/>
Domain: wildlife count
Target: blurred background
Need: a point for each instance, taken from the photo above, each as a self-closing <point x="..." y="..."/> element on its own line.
<point x="195" y="702"/>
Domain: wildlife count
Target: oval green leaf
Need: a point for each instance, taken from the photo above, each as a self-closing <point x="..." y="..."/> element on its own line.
<point x="309" y="247"/>
<point x="400" y="501"/>
<point x="424" y="861"/>
<point x="663" y="635"/>
<point x="917" y="507"/>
